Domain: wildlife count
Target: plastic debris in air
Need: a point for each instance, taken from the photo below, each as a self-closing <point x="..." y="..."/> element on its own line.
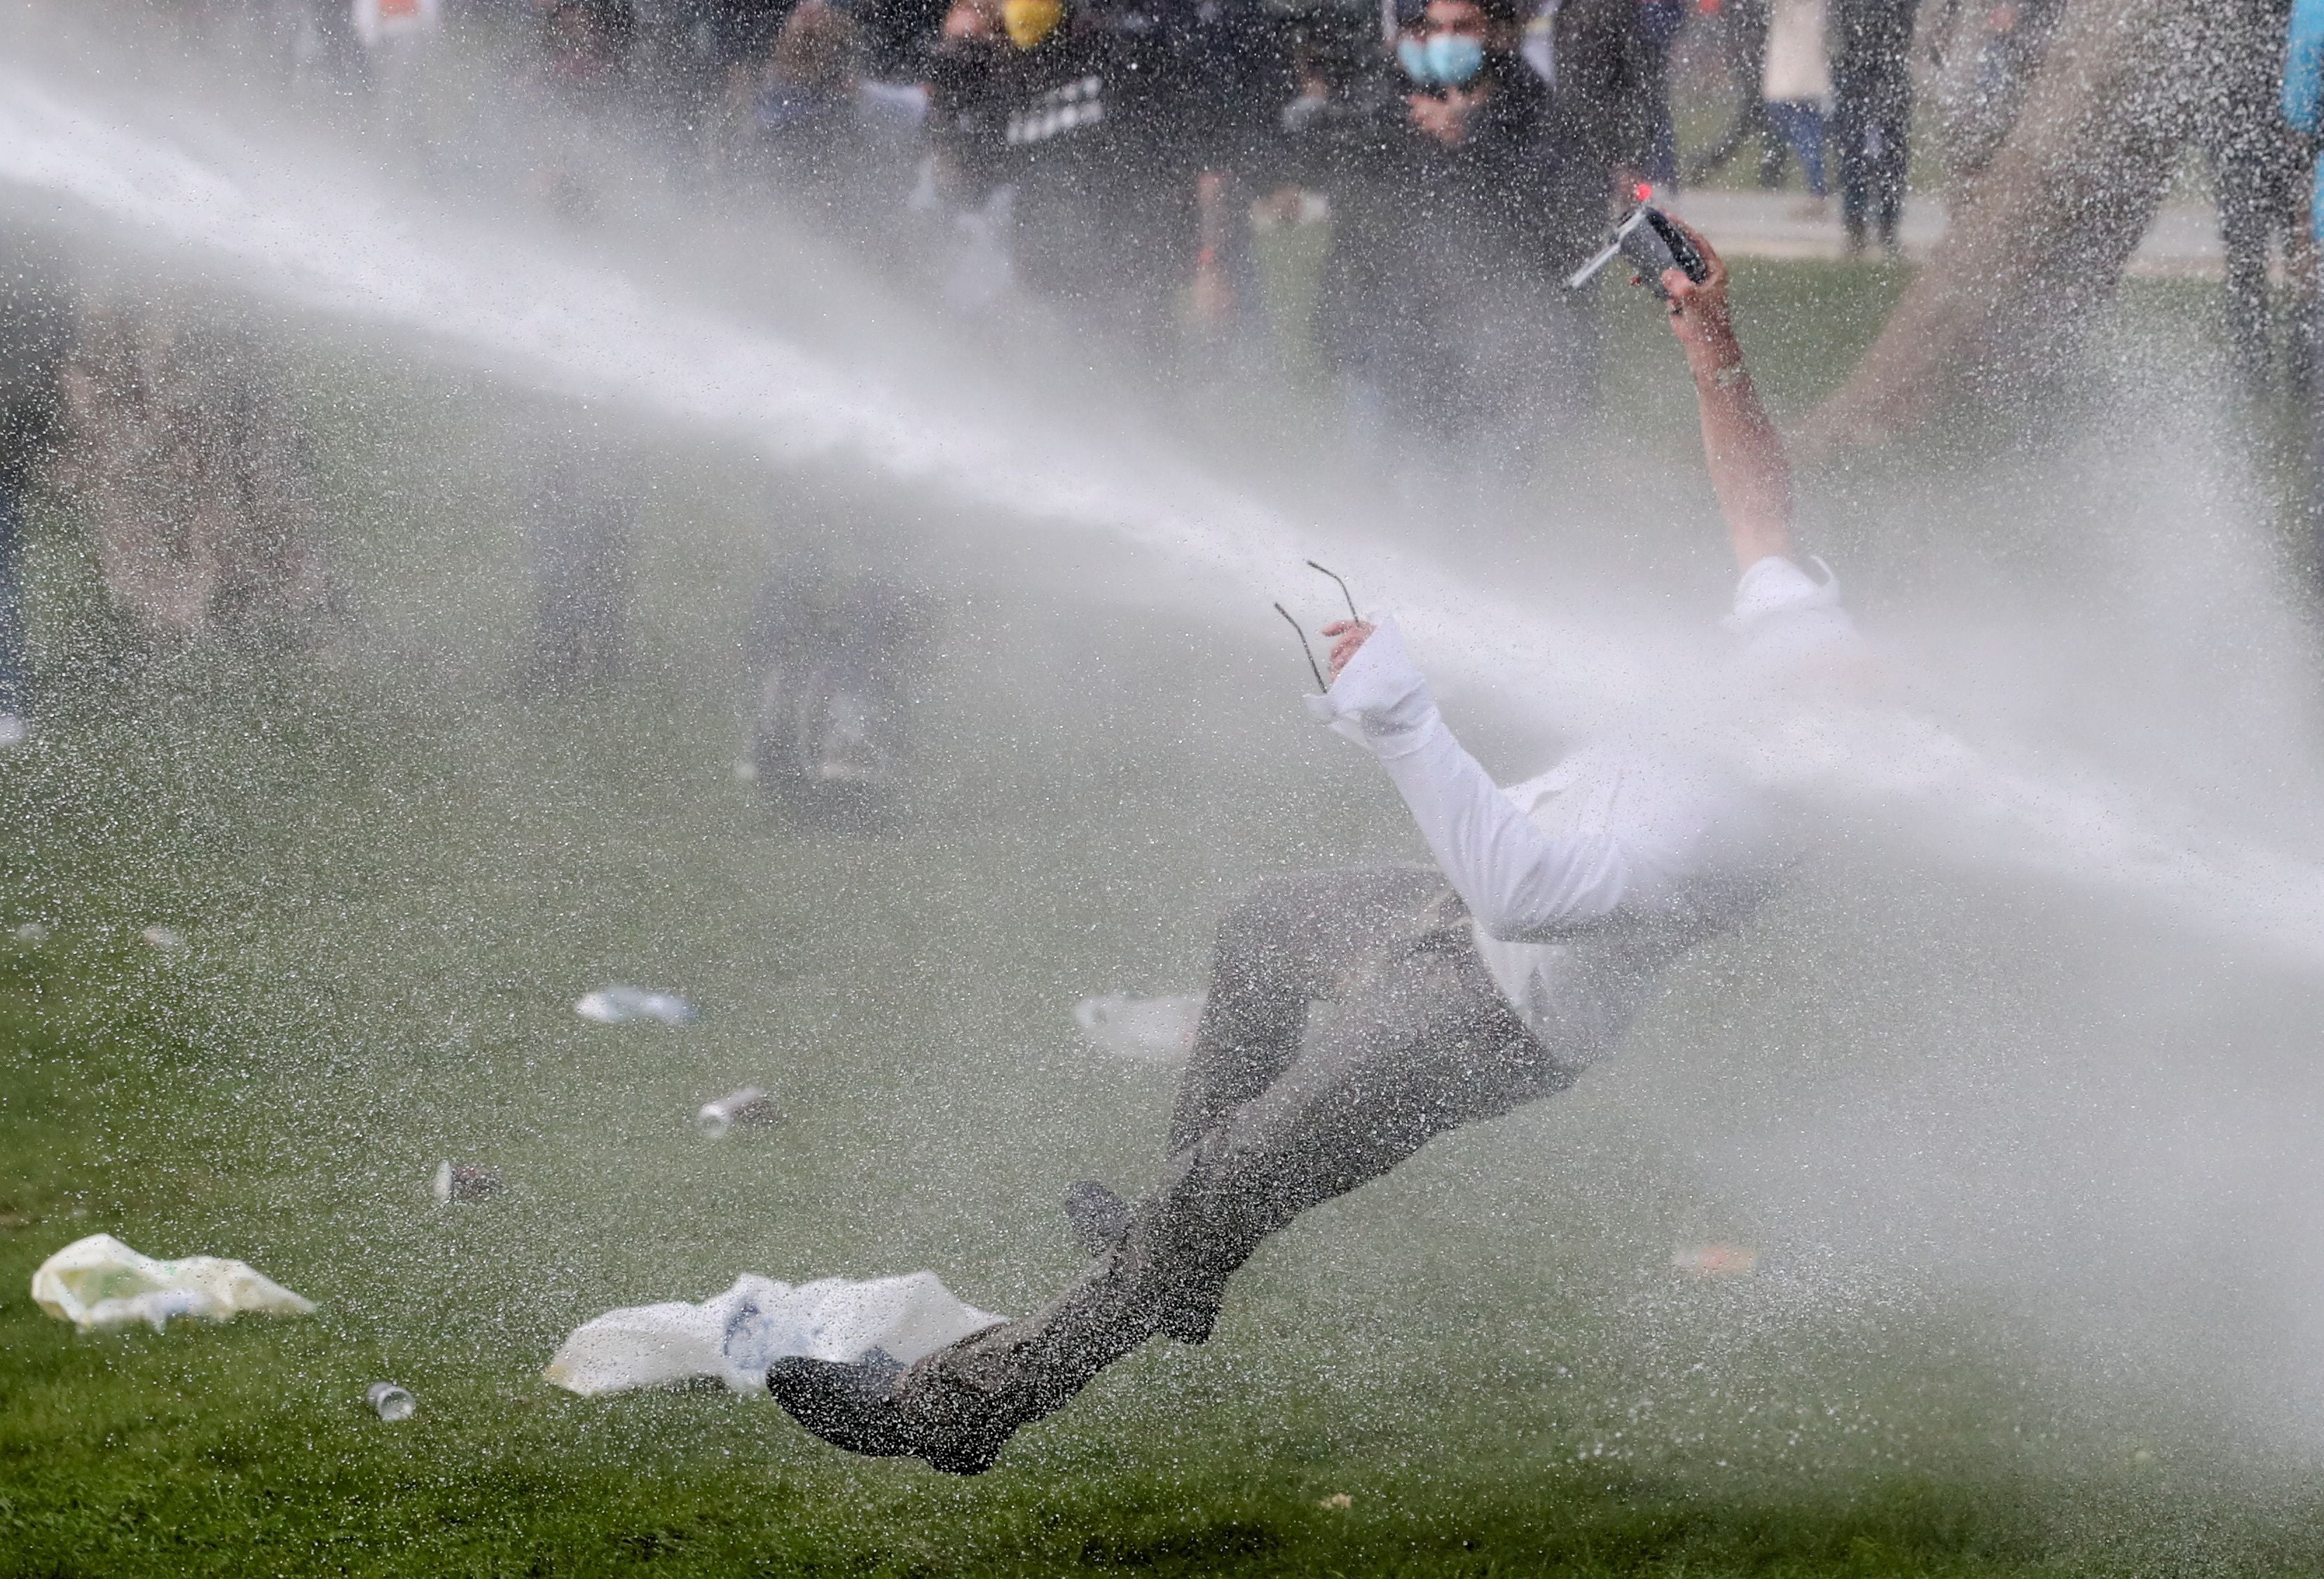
<point x="390" y="1402"/>
<point x="749" y="1108"/>
<point x="462" y="1181"/>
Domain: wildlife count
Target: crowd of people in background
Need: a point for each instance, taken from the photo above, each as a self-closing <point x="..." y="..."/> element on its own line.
<point x="1112" y="162"/>
<point x="1111" y="158"/>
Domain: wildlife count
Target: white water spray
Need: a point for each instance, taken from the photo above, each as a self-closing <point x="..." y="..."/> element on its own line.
<point x="303" y="233"/>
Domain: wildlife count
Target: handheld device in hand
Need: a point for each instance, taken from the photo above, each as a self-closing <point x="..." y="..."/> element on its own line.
<point x="1652" y="243"/>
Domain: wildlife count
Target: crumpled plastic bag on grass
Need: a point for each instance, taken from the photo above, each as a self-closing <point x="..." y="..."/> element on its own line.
<point x="628" y="1005"/>
<point x="99" y="1283"/>
<point x="736" y="1335"/>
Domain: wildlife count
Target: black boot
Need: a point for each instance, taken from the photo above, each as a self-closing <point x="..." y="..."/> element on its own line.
<point x="955" y="1409"/>
<point x="858" y="1408"/>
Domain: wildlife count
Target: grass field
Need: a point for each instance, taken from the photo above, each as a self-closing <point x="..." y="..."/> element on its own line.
<point x="395" y="868"/>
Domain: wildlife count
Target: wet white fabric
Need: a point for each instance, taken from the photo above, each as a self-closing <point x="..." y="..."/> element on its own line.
<point x="99" y="1283"/>
<point x="1582" y="883"/>
<point x="736" y="1335"/>
<point x="1798" y="69"/>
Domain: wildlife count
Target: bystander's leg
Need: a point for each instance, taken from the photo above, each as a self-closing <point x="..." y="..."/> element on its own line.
<point x="1872" y="112"/>
<point x="1801" y="124"/>
<point x="1659" y="25"/>
<point x="15" y="700"/>
<point x="1744" y="43"/>
<point x="1893" y="156"/>
<point x="2245" y="223"/>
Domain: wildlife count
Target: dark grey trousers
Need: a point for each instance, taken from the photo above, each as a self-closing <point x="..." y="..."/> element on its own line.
<point x="1421" y="1042"/>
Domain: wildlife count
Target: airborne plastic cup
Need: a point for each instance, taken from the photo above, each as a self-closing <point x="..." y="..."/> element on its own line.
<point x="390" y="1402"/>
<point x="750" y="1108"/>
<point x="463" y="1182"/>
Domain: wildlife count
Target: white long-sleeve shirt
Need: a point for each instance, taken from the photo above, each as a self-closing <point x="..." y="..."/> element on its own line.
<point x="1584" y="882"/>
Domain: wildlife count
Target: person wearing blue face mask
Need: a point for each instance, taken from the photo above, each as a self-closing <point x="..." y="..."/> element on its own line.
<point x="1463" y="188"/>
<point x="1445" y="51"/>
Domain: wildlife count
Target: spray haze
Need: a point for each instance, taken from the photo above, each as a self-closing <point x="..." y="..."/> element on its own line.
<point x="2035" y="1037"/>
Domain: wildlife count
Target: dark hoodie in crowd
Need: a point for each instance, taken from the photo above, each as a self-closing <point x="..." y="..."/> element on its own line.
<point x="1444" y="284"/>
<point x="1103" y="127"/>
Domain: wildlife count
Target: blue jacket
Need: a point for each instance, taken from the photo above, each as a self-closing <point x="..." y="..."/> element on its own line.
<point x="2304" y="68"/>
<point x="2303" y="89"/>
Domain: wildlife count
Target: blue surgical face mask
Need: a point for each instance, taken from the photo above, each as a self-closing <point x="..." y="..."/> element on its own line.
<point x="1447" y="60"/>
<point x="1454" y="59"/>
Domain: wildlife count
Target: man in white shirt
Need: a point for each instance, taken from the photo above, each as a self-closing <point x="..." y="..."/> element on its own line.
<point x="1463" y="991"/>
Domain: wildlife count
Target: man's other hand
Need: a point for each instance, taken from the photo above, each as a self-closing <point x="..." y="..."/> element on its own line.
<point x="1351" y="634"/>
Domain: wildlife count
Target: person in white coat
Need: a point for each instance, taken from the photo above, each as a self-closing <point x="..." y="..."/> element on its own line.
<point x="1465" y="990"/>
<point x="1796" y="83"/>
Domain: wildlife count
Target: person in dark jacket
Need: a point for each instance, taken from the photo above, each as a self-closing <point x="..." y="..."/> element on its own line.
<point x="1104" y="119"/>
<point x="1461" y="196"/>
<point x="2255" y="160"/>
<point x="1606" y="75"/>
<point x="35" y="331"/>
<point x="1598" y="59"/>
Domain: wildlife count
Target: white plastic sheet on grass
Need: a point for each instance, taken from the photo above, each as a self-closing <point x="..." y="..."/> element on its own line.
<point x="736" y="1335"/>
<point x="99" y="1283"/>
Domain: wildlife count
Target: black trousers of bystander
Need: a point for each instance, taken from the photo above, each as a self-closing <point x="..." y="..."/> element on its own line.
<point x="1872" y="116"/>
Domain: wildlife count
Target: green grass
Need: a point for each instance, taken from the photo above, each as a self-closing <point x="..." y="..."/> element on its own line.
<point x="396" y="869"/>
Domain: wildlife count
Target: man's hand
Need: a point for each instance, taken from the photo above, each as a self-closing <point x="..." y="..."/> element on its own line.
<point x="1446" y="119"/>
<point x="1351" y="634"/>
<point x="1698" y="312"/>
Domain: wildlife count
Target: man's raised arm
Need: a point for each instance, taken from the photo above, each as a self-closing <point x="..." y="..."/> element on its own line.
<point x="1747" y="467"/>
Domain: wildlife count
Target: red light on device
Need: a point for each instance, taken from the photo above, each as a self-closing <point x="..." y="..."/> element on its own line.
<point x="1644" y="192"/>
